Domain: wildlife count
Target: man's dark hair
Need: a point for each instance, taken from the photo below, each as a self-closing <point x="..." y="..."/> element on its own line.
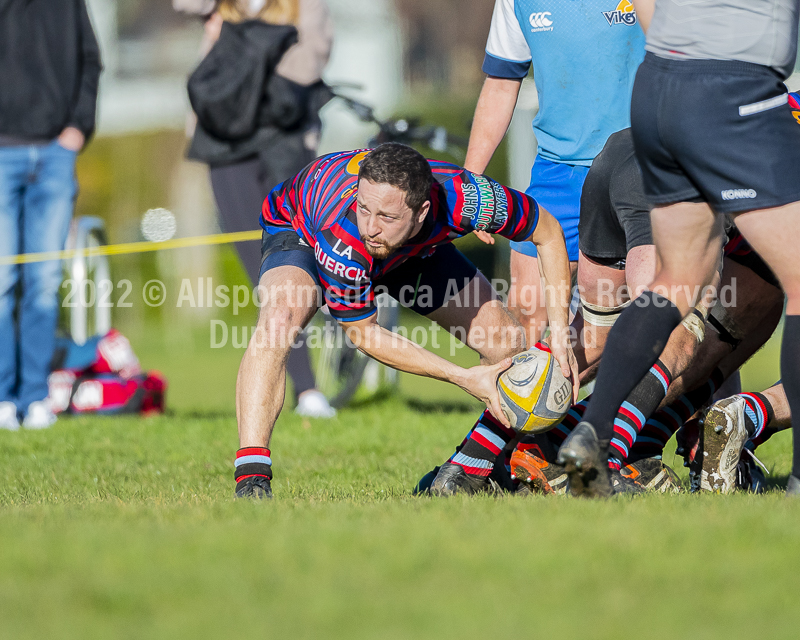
<point x="400" y="166"/>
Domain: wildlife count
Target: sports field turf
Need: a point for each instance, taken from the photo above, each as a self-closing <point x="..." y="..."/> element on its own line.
<point x="125" y="528"/>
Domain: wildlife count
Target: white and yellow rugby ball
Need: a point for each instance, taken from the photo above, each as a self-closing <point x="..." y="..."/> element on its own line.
<point x="534" y="394"/>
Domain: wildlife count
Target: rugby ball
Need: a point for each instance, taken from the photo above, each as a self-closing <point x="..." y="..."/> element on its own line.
<point x="534" y="394"/>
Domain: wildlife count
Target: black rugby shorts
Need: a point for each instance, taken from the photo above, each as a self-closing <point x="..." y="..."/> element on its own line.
<point x="420" y="284"/>
<point x="715" y="131"/>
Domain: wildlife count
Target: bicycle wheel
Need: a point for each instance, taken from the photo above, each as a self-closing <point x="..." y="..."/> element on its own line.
<point x="339" y="368"/>
<point x="88" y="288"/>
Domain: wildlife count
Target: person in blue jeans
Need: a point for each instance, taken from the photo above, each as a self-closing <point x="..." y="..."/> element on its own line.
<point x="584" y="57"/>
<point x="50" y="74"/>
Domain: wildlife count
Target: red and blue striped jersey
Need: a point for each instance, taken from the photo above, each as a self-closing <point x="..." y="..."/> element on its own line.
<point x="794" y="105"/>
<point x="320" y="205"/>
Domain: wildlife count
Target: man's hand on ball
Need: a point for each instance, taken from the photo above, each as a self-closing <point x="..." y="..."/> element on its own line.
<point x="562" y="352"/>
<point x="481" y="382"/>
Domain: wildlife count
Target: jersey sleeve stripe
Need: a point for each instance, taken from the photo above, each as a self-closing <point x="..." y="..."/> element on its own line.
<point x="508" y="69"/>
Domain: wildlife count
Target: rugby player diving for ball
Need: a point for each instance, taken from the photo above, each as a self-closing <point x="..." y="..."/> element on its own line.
<point x="354" y="223"/>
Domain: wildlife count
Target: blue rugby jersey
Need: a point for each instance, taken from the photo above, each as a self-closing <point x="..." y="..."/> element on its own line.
<point x="584" y="54"/>
<point x="320" y="205"/>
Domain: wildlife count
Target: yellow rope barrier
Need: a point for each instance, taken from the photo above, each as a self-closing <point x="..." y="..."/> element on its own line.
<point x="132" y="247"/>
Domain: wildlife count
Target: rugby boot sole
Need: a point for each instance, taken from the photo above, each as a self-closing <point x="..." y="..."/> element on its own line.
<point x="714" y="466"/>
<point x="586" y="463"/>
<point x="452" y="480"/>
<point x="793" y="487"/>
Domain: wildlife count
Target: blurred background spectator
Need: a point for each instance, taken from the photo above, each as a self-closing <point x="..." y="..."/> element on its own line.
<point x="49" y="73"/>
<point x="284" y="130"/>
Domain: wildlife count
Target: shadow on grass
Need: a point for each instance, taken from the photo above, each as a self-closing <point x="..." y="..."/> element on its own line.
<point x="381" y="396"/>
<point x="214" y="414"/>
<point x="441" y="406"/>
<point x="415" y="404"/>
<point x="777" y="483"/>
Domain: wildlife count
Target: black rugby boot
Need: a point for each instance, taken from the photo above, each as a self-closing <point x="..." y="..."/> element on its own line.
<point x="621" y="484"/>
<point x="256" y="487"/>
<point x="585" y="460"/>
<point x="452" y="479"/>
<point x="424" y="485"/>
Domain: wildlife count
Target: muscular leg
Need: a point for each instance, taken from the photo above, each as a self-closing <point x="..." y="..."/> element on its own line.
<point x="688" y="238"/>
<point x="601" y="286"/>
<point x="289" y="301"/>
<point x="755" y="310"/>
<point x="775" y="234"/>
<point x="526" y="296"/>
<point x="780" y="413"/>
<point x="608" y="287"/>
<point x="477" y="316"/>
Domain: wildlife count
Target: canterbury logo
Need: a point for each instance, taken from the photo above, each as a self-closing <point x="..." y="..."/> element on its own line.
<point x="540" y="20"/>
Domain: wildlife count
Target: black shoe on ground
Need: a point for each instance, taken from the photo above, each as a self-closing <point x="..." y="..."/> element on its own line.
<point x="424" y="485"/>
<point x="257" y="487"/>
<point x="621" y="484"/>
<point x="452" y="479"/>
<point x="652" y="475"/>
<point x="749" y="476"/>
<point x="586" y="463"/>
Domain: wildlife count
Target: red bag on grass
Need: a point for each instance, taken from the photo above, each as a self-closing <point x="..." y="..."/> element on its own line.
<point x="103" y="376"/>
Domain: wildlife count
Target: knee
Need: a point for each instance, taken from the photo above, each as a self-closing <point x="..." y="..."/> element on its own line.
<point x="277" y="328"/>
<point x="505" y="342"/>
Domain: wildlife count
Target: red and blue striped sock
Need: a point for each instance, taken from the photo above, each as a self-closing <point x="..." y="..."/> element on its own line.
<point x="658" y="430"/>
<point x="757" y="414"/>
<point x="633" y="413"/>
<point x="478" y="453"/>
<point x="252" y="462"/>
<point x="559" y="433"/>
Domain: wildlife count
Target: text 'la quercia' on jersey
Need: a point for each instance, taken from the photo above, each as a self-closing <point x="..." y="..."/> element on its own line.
<point x="320" y="205"/>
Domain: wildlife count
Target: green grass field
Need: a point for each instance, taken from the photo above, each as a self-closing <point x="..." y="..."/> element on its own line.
<point x="126" y="528"/>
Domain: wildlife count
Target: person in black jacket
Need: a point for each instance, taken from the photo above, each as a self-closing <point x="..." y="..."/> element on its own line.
<point x="257" y="94"/>
<point x="49" y="73"/>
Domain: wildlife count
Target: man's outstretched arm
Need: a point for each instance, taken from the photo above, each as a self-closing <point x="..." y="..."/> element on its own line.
<point x="404" y="355"/>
